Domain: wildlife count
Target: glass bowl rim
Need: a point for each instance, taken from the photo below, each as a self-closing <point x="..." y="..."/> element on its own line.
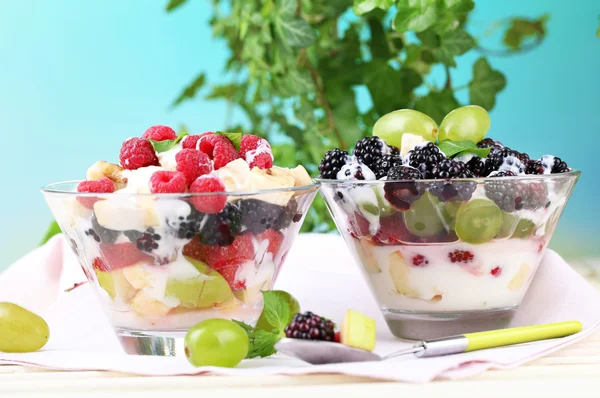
<point x="53" y="190"/>
<point x="574" y="173"/>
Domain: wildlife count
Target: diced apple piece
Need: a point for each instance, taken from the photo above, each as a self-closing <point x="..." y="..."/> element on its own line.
<point x="367" y="256"/>
<point x="358" y="331"/>
<point x="145" y="305"/>
<point x="400" y="273"/>
<point x="216" y="291"/>
<point x="116" y="285"/>
<point x="251" y="295"/>
<point x="187" y="291"/>
<point x="106" y="282"/>
<point x="517" y="281"/>
<point x="138" y="276"/>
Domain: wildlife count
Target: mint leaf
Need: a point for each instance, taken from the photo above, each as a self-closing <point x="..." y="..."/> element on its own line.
<point x="235" y="138"/>
<point x="167" y="145"/>
<point x="453" y="148"/>
<point x="276" y="309"/>
<point x="262" y="342"/>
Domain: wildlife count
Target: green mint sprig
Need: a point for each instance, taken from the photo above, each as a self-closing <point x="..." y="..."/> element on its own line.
<point x="457" y="148"/>
<point x="167" y="145"/>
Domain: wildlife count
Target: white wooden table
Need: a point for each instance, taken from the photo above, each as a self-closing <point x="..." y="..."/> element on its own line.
<point x="571" y="372"/>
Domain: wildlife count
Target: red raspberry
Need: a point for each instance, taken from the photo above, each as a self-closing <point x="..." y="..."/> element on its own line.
<point x="121" y="255"/>
<point x="419" y="260"/>
<point x="242" y="249"/>
<point x="136" y="153"/>
<point x="461" y="256"/>
<point x="160" y="133"/>
<point x="208" y="203"/>
<point x="103" y="185"/>
<point x="191" y="141"/>
<point x="208" y="141"/>
<point x="192" y="164"/>
<point x="496" y="271"/>
<point x="167" y="182"/>
<point x="248" y="147"/>
<point x="223" y="153"/>
<point x="275" y="239"/>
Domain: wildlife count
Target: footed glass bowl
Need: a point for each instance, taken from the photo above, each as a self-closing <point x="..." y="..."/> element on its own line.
<point x="445" y="257"/>
<point x="160" y="266"/>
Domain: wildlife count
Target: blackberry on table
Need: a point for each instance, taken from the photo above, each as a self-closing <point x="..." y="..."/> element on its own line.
<point x="309" y="326"/>
<point x="101" y="234"/>
<point x="425" y="158"/>
<point x="222" y="228"/>
<point x="447" y="190"/>
<point x="401" y="194"/>
<point x="370" y="150"/>
<point x="517" y="195"/>
<point x="332" y="163"/>
<point x="258" y="215"/>
<point x="386" y="163"/>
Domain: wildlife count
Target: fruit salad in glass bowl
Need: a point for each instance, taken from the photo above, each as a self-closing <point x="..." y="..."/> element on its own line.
<point x="449" y="227"/>
<point x="184" y="228"/>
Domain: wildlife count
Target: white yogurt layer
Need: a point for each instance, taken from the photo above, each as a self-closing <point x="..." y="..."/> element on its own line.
<point x="442" y="285"/>
<point x="167" y="159"/>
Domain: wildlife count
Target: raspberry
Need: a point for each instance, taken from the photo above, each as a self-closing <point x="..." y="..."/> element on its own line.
<point x="309" y="326"/>
<point x="191" y="141"/>
<point x="370" y="150"/>
<point x="256" y="151"/>
<point x="207" y="142"/>
<point x="402" y="194"/>
<point x="496" y="271"/>
<point x="461" y="256"/>
<point x="160" y="133"/>
<point x="223" y="153"/>
<point x="275" y="239"/>
<point x="192" y="164"/>
<point x="121" y="255"/>
<point x="262" y="161"/>
<point x="136" y="153"/>
<point x="332" y="163"/>
<point x="103" y="185"/>
<point x="419" y="260"/>
<point x="167" y="182"/>
<point x="241" y="249"/>
<point x="208" y="203"/>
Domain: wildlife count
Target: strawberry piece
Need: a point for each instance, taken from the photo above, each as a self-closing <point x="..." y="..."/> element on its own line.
<point x="121" y="255"/>
<point x="242" y="249"/>
<point x="228" y="271"/>
<point x="275" y="239"/>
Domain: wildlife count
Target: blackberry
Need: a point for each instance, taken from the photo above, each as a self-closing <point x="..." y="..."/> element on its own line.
<point x="288" y="215"/>
<point x="535" y="167"/>
<point x="488" y="142"/>
<point x="446" y="190"/>
<point x="496" y="159"/>
<point x="309" y="326"/>
<point x="386" y="163"/>
<point x="425" y="158"/>
<point x="101" y="234"/>
<point x="402" y="194"/>
<point x="512" y="196"/>
<point x="370" y="150"/>
<point x="477" y="166"/>
<point x="546" y="165"/>
<point x="222" y="228"/>
<point x="258" y="215"/>
<point x="332" y="163"/>
<point x="354" y="171"/>
<point x="187" y="227"/>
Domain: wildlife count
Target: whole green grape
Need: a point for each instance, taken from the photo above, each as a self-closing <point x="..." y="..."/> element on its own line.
<point x="478" y="221"/>
<point x="21" y="330"/>
<point x="216" y="342"/>
<point x="467" y="123"/>
<point x="424" y="217"/>
<point x="392" y="126"/>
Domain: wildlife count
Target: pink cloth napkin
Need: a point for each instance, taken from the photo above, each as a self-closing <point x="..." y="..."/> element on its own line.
<point x="321" y="274"/>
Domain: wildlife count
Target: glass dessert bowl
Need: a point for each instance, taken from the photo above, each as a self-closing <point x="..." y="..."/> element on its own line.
<point x="163" y="261"/>
<point x="447" y="242"/>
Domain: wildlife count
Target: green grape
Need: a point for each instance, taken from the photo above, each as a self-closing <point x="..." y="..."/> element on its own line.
<point x="21" y="330"/>
<point x="390" y="127"/>
<point x="515" y="227"/>
<point x="294" y="306"/>
<point x="478" y="221"/>
<point x="467" y="123"/>
<point x="216" y="342"/>
<point x="425" y="217"/>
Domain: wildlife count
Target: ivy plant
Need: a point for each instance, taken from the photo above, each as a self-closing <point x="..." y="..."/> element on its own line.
<point x="296" y="67"/>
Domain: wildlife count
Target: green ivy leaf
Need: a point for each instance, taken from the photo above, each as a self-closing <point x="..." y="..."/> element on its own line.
<point x="190" y="91"/>
<point x="286" y="8"/>
<point x="455" y="148"/>
<point x="416" y="15"/>
<point x="173" y="4"/>
<point x="378" y="42"/>
<point x="521" y="29"/>
<point x="53" y="229"/>
<point x="437" y="104"/>
<point x="486" y="84"/>
<point x="364" y="6"/>
<point x="296" y="32"/>
<point x="167" y="145"/>
<point x="429" y="38"/>
<point x="235" y="138"/>
<point x="390" y="88"/>
<point x="459" y="6"/>
<point x="345" y="115"/>
<point x="293" y="83"/>
<point x="454" y="43"/>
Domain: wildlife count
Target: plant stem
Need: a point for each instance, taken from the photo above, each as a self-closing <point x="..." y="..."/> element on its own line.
<point x="448" y="85"/>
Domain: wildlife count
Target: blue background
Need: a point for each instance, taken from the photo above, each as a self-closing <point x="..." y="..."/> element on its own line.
<point x="78" y="77"/>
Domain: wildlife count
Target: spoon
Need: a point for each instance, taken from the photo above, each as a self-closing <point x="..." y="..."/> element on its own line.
<point x="323" y="352"/>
